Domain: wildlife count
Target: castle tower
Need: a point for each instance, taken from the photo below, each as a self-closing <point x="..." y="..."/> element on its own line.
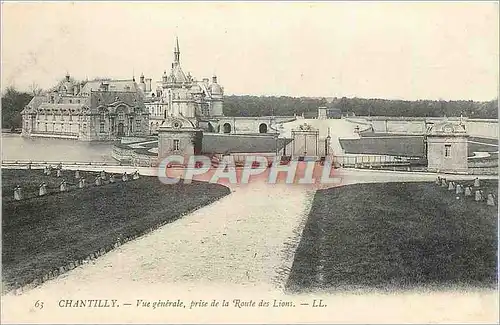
<point x="177" y="52"/>
<point x="217" y="94"/>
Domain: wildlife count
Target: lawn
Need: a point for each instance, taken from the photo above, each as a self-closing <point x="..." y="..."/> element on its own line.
<point x="42" y="234"/>
<point x="393" y="236"/>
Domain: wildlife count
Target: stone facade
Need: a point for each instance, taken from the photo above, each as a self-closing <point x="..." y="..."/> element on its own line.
<point x="178" y="136"/>
<point x="447" y="147"/>
<point x="93" y="110"/>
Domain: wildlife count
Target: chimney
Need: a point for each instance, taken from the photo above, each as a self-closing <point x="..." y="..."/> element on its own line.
<point x="214" y="79"/>
<point x="148" y="84"/>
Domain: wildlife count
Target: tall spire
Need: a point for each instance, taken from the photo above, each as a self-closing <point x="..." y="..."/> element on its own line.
<point x="177" y="51"/>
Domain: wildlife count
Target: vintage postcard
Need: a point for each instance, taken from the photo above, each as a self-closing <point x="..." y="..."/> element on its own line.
<point x="249" y="162"/>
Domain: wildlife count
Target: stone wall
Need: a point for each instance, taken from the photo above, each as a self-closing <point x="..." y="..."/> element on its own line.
<point x="251" y="124"/>
<point x="487" y="128"/>
<point x="482" y="128"/>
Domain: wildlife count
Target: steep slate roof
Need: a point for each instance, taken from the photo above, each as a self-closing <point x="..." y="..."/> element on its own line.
<point x="98" y="98"/>
<point x="177" y="75"/>
<point x="36" y="101"/>
<point x="220" y="143"/>
<point x="114" y="85"/>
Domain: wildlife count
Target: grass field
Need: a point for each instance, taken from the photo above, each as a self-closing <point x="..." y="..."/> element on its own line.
<point x="392" y="236"/>
<point x="44" y="233"/>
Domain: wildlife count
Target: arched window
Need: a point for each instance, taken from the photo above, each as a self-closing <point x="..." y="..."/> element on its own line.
<point x="227" y="128"/>
<point x="263" y="128"/>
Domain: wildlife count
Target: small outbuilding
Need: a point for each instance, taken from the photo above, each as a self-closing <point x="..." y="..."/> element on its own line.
<point x="447" y="147"/>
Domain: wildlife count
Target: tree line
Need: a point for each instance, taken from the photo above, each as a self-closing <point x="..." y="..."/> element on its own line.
<point x="286" y="106"/>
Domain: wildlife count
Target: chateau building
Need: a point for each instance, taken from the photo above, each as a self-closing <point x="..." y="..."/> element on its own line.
<point x="180" y="94"/>
<point x="92" y="110"/>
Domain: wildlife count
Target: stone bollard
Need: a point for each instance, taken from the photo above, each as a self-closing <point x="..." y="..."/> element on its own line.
<point x="98" y="181"/>
<point x="491" y="200"/>
<point x="479" y="196"/>
<point x="42" y="190"/>
<point x="58" y="173"/>
<point x="443" y="182"/>
<point x="136" y="175"/>
<point x="476" y="182"/>
<point x="468" y="191"/>
<point x="451" y="186"/>
<point x="29" y="165"/>
<point x="63" y="186"/>
<point x="18" y="195"/>
<point x="125" y="177"/>
<point x="459" y="189"/>
<point x="77" y="174"/>
<point x="438" y="180"/>
<point x="81" y="183"/>
<point x="103" y="175"/>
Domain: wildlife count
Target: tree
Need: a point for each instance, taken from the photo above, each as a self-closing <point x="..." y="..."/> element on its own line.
<point x="13" y="102"/>
<point x="35" y="90"/>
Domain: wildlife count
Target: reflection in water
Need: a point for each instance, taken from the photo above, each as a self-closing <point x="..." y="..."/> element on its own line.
<point x="16" y="147"/>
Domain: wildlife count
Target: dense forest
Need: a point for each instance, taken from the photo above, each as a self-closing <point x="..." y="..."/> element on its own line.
<point x="13" y="101"/>
<point x="258" y="106"/>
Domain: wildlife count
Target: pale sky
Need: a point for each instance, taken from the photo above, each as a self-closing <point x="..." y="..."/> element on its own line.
<point x="400" y="50"/>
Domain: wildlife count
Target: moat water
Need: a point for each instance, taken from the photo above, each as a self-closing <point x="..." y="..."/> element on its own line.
<point x="16" y="147"/>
